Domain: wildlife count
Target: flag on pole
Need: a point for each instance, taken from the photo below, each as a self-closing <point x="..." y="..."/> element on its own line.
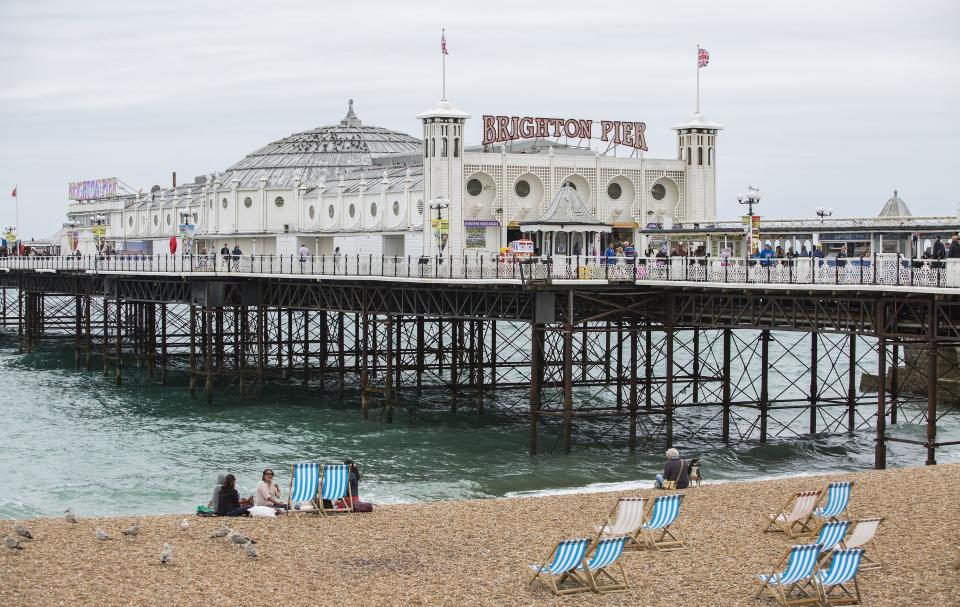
<point x="703" y="57"/>
<point x="14" y="192"/>
<point x="443" y="43"/>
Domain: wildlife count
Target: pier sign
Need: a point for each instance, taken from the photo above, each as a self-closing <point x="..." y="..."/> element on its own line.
<point x="497" y="129"/>
<point x="92" y="189"/>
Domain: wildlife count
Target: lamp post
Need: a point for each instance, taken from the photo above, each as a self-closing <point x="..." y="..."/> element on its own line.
<point x="823" y="212"/>
<point x="751" y="198"/>
<point x="439" y="204"/>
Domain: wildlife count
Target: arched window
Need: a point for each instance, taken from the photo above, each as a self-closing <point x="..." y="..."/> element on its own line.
<point x="681" y="153"/>
<point x="710" y="157"/>
<point x="433" y="146"/>
<point x="443" y="148"/>
<point x="689" y="157"/>
<point x="456" y="147"/>
<point x="699" y="155"/>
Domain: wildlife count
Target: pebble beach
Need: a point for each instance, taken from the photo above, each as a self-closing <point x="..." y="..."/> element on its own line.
<point x="476" y="552"/>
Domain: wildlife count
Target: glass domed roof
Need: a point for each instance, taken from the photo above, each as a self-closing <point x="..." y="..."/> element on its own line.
<point x="323" y="151"/>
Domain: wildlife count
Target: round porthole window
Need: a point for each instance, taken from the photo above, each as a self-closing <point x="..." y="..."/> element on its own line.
<point x="614" y="191"/>
<point x="373" y="209"/>
<point x="353" y="210"/>
<point x="330" y="211"/>
<point x="168" y="218"/>
<point x="312" y="212"/>
<point x="156" y="220"/>
<point x="224" y="203"/>
<point x="396" y="208"/>
<point x="474" y="187"/>
<point x="248" y="202"/>
<point x="570" y="184"/>
<point x="522" y="188"/>
<point x="278" y="201"/>
<point x="658" y="191"/>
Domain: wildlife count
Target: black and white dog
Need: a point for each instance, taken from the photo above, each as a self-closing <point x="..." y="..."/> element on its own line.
<point x="694" y="472"/>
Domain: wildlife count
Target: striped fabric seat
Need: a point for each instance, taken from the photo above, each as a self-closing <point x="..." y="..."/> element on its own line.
<point x="798" y="520"/>
<point x="607" y="553"/>
<point x="567" y="556"/>
<point x="664" y="517"/>
<point x="838" y="584"/>
<point x="838" y="498"/>
<point x="802" y="560"/>
<point x="864" y="536"/>
<point x="629" y="517"/>
<point x="832" y="534"/>
<point x="304" y="482"/>
<point x="795" y="585"/>
<point x="334" y="486"/>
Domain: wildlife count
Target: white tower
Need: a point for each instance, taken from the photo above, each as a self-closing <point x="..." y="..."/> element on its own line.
<point x="443" y="175"/>
<point x="697" y="147"/>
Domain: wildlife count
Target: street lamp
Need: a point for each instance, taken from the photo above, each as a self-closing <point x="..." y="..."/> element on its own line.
<point x="439" y="204"/>
<point x="823" y="212"/>
<point x="751" y="198"/>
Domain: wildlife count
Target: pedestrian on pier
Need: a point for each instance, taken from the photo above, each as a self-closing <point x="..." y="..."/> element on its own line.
<point x="236" y="256"/>
<point x="953" y="252"/>
<point x="304" y="253"/>
<point x="225" y="253"/>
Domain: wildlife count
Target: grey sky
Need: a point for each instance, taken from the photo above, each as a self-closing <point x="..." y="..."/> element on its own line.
<point x="824" y="103"/>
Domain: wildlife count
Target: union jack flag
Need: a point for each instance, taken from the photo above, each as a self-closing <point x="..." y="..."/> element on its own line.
<point x="443" y="43"/>
<point x="703" y="57"/>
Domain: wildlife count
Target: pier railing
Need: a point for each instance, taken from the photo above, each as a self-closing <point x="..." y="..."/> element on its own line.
<point x="879" y="269"/>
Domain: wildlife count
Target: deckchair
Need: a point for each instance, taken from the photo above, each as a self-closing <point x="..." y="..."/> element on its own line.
<point x="799" y="520"/>
<point x="606" y="554"/>
<point x="334" y="486"/>
<point x="629" y="518"/>
<point x="838" y="498"/>
<point x="662" y="529"/>
<point x="864" y="536"/>
<point x="795" y="585"/>
<point x="304" y="482"/>
<point x="838" y="584"/>
<point x="831" y="535"/>
<point x="563" y="560"/>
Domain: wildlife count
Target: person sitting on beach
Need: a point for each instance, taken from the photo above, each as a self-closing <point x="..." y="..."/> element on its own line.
<point x="229" y="504"/>
<point x="215" y="502"/>
<point x="674" y="470"/>
<point x="268" y="492"/>
<point x="354" y="479"/>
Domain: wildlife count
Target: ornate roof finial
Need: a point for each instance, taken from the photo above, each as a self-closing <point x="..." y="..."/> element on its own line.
<point x="350" y="119"/>
<point x="894" y="193"/>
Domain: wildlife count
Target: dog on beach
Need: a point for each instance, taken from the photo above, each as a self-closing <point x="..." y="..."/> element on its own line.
<point x="694" y="472"/>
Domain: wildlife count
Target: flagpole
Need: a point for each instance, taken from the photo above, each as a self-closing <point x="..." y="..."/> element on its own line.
<point x="698" y="78"/>
<point x="443" y="34"/>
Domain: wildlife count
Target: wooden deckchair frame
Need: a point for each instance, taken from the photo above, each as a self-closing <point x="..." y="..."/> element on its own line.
<point x="825" y="496"/>
<point x="804" y="591"/>
<point x="668" y="541"/>
<point x="870" y="559"/>
<point x="315" y="502"/>
<point x="615" y="585"/>
<point x="553" y="582"/>
<point x="796" y="528"/>
<point x="636" y="539"/>
<point x="348" y="498"/>
<point x="846" y="596"/>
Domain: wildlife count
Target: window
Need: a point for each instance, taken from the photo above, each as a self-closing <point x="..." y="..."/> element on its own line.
<point x="420" y="206"/>
<point x="433" y="146"/>
<point x="456" y="147"/>
<point x="522" y="188"/>
<point x="689" y="157"/>
<point x="168" y="218"/>
<point x="248" y="202"/>
<point x="373" y="209"/>
<point x="353" y="210"/>
<point x="699" y="155"/>
<point x="224" y="203"/>
<point x="155" y="220"/>
<point x="211" y="204"/>
<point x="474" y="187"/>
<point x="710" y="157"/>
<point x="312" y="212"/>
<point x="330" y="211"/>
<point x="194" y="218"/>
<point x="396" y="208"/>
<point x="443" y="147"/>
<point x="658" y="191"/>
<point x="278" y="201"/>
<point x="569" y="184"/>
<point x="131" y="221"/>
<point x="614" y="191"/>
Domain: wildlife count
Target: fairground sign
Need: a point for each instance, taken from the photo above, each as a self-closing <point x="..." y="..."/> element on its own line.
<point x="93" y="189"/>
<point x="497" y="129"/>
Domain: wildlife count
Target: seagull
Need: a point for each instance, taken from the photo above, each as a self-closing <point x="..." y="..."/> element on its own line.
<point x="134" y="529"/>
<point x="250" y="550"/>
<point x="167" y="555"/>
<point x="222" y="532"/>
<point x="70" y="516"/>
<point x="101" y="535"/>
<point x="22" y="531"/>
<point x="239" y="538"/>
<point x="12" y="543"/>
<point x="184" y="525"/>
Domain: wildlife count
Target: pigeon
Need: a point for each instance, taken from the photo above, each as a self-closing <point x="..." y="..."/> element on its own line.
<point x="184" y="525"/>
<point x="70" y="516"/>
<point x="167" y="555"/>
<point x="250" y="550"/>
<point x="239" y="538"/>
<point x="101" y="535"/>
<point x="12" y="543"/>
<point x="21" y="530"/>
<point x="134" y="529"/>
<point x="222" y="532"/>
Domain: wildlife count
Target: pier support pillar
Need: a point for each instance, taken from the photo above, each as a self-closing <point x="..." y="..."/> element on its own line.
<point x="814" y="386"/>
<point x="536" y="378"/>
<point x="880" y="453"/>
<point x="852" y="385"/>
<point x="568" y="376"/>
<point x="634" y="393"/>
<point x="764" y="382"/>
<point x="933" y="354"/>
<point x="725" y="386"/>
<point x="118" y="363"/>
<point x="668" y="396"/>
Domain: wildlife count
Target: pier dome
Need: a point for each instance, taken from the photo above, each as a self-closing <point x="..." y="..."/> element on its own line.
<point x="320" y="152"/>
<point x="895" y="207"/>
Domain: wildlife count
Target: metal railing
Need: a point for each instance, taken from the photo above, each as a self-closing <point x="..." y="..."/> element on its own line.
<point x="879" y="269"/>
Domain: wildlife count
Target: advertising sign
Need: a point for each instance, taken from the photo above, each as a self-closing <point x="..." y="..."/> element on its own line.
<point x="477" y="223"/>
<point x="92" y="189"/>
<point x="476" y="237"/>
<point x="497" y="129"/>
<point x="441" y="231"/>
<point x="752" y="229"/>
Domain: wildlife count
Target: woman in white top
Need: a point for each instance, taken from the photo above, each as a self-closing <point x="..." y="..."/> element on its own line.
<point x="267" y="492"/>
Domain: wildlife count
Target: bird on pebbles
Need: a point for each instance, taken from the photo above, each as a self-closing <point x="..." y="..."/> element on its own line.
<point x="12" y="543"/>
<point x="184" y="525"/>
<point x="167" y="555"/>
<point x="101" y="534"/>
<point x="21" y="530"/>
<point x="69" y="516"/>
<point x="222" y="532"/>
<point x="239" y="538"/>
<point x="134" y="529"/>
<point x="250" y="550"/>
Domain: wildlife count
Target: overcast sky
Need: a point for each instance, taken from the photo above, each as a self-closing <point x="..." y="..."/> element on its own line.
<point x="823" y="102"/>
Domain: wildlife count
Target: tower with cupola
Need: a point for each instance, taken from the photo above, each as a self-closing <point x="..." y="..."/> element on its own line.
<point x="697" y="148"/>
<point x="443" y="127"/>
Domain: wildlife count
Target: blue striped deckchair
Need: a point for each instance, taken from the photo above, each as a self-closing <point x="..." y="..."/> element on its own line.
<point x="335" y="486"/>
<point x="606" y="554"/>
<point x="304" y="482"/>
<point x="795" y="585"/>
<point x="834" y="584"/>
<point x="563" y="561"/>
<point x="831" y="535"/>
<point x="662" y="529"/>
<point x="838" y="498"/>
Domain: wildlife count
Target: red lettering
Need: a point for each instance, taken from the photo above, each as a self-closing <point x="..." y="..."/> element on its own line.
<point x="585" y="129"/>
<point x="616" y="132"/>
<point x="628" y="133"/>
<point x="557" y="124"/>
<point x="502" y="124"/>
<point x="543" y="127"/>
<point x="605" y="127"/>
<point x="641" y="140"/>
<point x="570" y="128"/>
<point x="526" y="127"/>
<point x="489" y="130"/>
<point x="514" y="130"/>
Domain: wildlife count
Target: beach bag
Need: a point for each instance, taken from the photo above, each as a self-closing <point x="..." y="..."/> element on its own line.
<point x="205" y="511"/>
<point x="673" y="484"/>
<point x="263" y="512"/>
<point x="359" y="506"/>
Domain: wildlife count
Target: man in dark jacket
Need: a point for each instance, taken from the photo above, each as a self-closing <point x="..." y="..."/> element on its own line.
<point x="953" y="252"/>
<point x="939" y="251"/>
<point x="675" y="470"/>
